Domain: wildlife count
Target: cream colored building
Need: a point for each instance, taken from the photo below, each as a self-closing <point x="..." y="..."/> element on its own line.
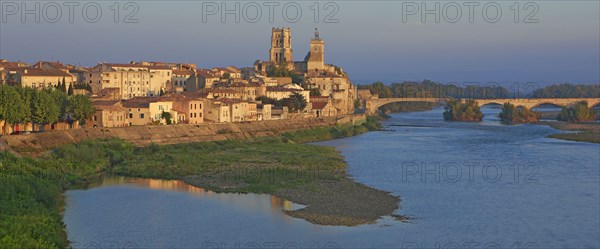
<point x="39" y="78"/>
<point x="108" y="114"/>
<point x="189" y="107"/>
<point x="138" y="110"/>
<point x="339" y="88"/>
<point x="130" y="80"/>
<point x="283" y="92"/>
<point x="202" y="79"/>
<point x="160" y="79"/>
<point x="216" y="111"/>
<point x="180" y="78"/>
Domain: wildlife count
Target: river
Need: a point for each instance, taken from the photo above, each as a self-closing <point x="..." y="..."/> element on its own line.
<point x="478" y="185"/>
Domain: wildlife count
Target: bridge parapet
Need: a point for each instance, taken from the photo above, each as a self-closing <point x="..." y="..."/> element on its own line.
<point x="371" y="105"/>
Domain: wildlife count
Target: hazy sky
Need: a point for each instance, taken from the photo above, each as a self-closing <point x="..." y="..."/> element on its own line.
<point x="371" y="41"/>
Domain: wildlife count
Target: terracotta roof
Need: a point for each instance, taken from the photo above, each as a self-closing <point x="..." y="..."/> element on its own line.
<point x="221" y="90"/>
<point x="105" y="102"/>
<point x="110" y="108"/>
<point x="159" y="67"/>
<point x="125" y="65"/>
<point x="138" y="102"/>
<point x="319" y="105"/>
<point x="54" y="64"/>
<point x="13" y="65"/>
<point x="195" y="95"/>
<point x="183" y="72"/>
<point x="206" y="74"/>
<point x="41" y="72"/>
<point x="281" y="89"/>
<point x="231" y="101"/>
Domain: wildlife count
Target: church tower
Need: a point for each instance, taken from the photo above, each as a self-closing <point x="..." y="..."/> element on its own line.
<point x="281" y="46"/>
<point x="316" y="57"/>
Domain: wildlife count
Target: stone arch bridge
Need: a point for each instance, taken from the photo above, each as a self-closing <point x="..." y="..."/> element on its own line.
<point x="371" y="105"/>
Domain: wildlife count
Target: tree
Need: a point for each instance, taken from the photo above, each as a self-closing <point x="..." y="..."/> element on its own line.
<point x="63" y="87"/>
<point x="468" y="111"/>
<point x="46" y="108"/>
<point x="166" y="116"/>
<point x="70" y="91"/>
<point x="12" y="108"/>
<point x="81" y="107"/>
<point x="162" y="92"/>
<point x="296" y="102"/>
<point x="520" y="114"/>
<point x="579" y="113"/>
<point x="226" y="76"/>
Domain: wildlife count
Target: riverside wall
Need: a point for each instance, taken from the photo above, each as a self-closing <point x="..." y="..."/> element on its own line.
<point x="172" y="134"/>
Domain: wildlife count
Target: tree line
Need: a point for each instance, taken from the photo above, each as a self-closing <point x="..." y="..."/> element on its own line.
<point x="567" y="91"/>
<point x="23" y="105"/>
<point x="430" y="89"/>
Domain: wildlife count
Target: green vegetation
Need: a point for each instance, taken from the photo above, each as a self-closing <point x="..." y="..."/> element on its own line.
<point x="430" y="89"/>
<point x="295" y="102"/>
<point x="568" y="91"/>
<point x="26" y="105"/>
<point x="31" y="189"/>
<point x="587" y="132"/>
<point x="579" y="113"/>
<point x="282" y="71"/>
<point x="83" y="86"/>
<point x="457" y="111"/>
<point x="518" y="115"/>
<point x="166" y="116"/>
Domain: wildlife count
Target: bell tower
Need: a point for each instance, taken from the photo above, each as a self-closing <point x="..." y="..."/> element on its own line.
<point x="281" y="46"/>
<point x="316" y="56"/>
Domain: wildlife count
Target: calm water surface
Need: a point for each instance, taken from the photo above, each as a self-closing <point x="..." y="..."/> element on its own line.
<point x="464" y="184"/>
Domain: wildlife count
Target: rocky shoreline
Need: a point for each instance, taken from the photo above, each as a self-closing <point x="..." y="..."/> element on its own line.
<point x="338" y="201"/>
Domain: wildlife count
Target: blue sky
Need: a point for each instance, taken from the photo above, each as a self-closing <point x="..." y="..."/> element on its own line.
<point x="370" y="40"/>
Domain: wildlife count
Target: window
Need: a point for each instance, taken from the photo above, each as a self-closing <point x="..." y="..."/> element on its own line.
<point x="191" y="115"/>
<point x="130" y="115"/>
<point x="141" y="115"/>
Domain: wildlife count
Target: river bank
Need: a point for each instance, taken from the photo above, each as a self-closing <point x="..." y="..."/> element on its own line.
<point x="31" y="189"/>
<point x="581" y="132"/>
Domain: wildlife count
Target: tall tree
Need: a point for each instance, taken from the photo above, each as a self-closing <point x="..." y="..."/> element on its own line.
<point x="80" y="107"/>
<point x="46" y="109"/>
<point x="12" y="108"/>
<point x="296" y="102"/>
<point x="70" y="91"/>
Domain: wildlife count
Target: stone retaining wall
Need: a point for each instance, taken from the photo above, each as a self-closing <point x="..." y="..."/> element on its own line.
<point x="162" y="134"/>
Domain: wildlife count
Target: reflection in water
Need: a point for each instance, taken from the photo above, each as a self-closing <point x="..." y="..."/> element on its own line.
<point x="180" y="186"/>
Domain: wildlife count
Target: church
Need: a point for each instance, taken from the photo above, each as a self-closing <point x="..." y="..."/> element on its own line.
<point x="331" y="81"/>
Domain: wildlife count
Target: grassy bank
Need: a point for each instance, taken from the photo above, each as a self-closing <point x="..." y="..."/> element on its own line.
<point x="582" y="132"/>
<point x="31" y="190"/>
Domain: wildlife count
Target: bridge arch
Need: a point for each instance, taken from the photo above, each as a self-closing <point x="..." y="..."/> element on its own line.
<point x="374" y="104"/>
<point x="491" y="103"/>
<point x="547" y="103"/>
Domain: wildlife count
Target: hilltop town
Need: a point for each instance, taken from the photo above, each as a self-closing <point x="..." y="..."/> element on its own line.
<point x="155" y="93"/>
